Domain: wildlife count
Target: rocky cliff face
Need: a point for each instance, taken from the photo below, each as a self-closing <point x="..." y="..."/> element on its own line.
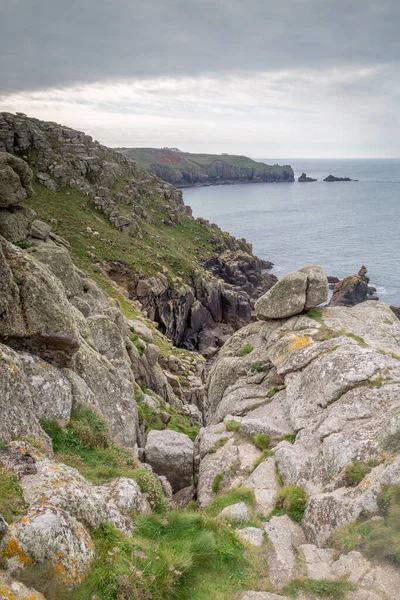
<point x="220" y="274"/>
<point x="185" y="169"/>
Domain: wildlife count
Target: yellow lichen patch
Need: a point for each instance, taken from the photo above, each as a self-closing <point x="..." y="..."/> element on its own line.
<point x="13" y="549"/>
<point x="298" y="342"/>
<point x="13" y="369"/>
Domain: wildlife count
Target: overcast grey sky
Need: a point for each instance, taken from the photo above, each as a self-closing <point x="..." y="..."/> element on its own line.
<point x="315" y="78"/>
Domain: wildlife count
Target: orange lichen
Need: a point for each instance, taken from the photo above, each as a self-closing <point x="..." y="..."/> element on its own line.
<point x="298" y="342"/>
<point x="13" y="369"/>
<point x="13" y="549"/>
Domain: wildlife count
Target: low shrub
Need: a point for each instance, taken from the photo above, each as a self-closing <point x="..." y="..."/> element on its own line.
<point x="292" y="501"/>
<point x="377" y="539"/>
<point x="151" y="485"/>
<point x="356" y="472"/>
<point x="232" y="425"/>
<point x="12" y="503"/>
<point x="258" y="367"/>
<point x="262" y="441"/>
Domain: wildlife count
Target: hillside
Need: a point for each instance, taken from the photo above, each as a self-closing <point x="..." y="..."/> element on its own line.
<point x="129" y="227"/>
<point x="184" y="169"/>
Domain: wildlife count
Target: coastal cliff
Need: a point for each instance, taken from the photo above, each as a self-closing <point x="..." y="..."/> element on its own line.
<point x="184" y="169"/>
<point x="126" y="471"/>
<point x="129" y="227"/>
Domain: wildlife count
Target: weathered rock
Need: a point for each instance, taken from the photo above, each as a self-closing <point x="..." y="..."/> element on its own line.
<point x="3" y="526"/>
<point x="171" y="454"/>
<point x="236" y="512"/>
<point x="251" y="535"/>
<point x="128" y="498"/>
<point x="15" y="223"/>
<point x="334" y="178"/>
<point x="59" y="261"/>
<point x="47" y="534"/>
<point x="303" y="178"/>
<point x="294" y="293"/>
<point x="351" y="290"/>
<point x="15" y="180"/>
<point x="182" y="498"/>
<point x="17" y="408"/>
<point x="14" y="590"/>
<point x="37" y="317"/>
<point x="284" y="536"/>
<point x="40" y="230"/>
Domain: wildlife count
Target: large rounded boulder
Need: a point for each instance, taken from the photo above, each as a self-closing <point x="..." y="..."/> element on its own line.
<point x="294" y="293"/>
<point x="171" y="454"/>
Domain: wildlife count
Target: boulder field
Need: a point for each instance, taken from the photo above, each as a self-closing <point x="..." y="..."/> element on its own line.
<point x="289" y="446"/>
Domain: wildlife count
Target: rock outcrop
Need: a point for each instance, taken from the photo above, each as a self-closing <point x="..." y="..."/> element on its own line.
<point x="304" y="179"/>
<point x="351" y="290"/>
<point x="197" y="307"/>
<point x="334" y="178"/>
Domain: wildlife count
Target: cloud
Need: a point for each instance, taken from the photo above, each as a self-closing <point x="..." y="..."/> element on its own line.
<point x="307" y="112"/>
<point x="54" y="43"/>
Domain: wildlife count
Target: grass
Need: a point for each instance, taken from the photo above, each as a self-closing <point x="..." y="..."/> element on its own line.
<point x="357" y="339"/>
<point x="179" y="421"/>
<point x="12" y="503"/>
<point x="331" y="590"/>
<point x="355" y="473"/>
<point x="180" y="248"/>
<point x="246" y="349"/>
<point x="180" y="556"/>
<point x="289" y="437"/>
<point x="291" y="501"/>
<point x="314" y="314"/>
<point x="258" y="367"/>
<point x="232" y="425"/>
<point x="262" y="441"/>
<point x="85" y="445"/>
<point x="217" y="483"/>
<point x="378" y="539"/>
<point x="271" y="392"/>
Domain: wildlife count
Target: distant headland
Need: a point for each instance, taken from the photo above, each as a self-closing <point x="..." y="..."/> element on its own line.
<point x="184" y="169"/>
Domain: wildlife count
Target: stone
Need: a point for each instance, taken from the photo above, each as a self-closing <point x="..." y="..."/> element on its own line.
<point x="15" y="590"/>
<point x="141" y="329"/>
<point x="351" y="290"/>
<point x="264" y="476"/>
<point x="298" y="291"/>
<point x="47" y="534"/>
<point x="58" y="260"/>
<point x="286" y="298"/>
<point x="284" y="536"/>
<point x="251" y="535"/>
<point x="40" y="230"/>
<point x="182" y="498"/>
<point x="15" y="180"/>
<point x="303" y="178"/>
<point x="318" y="561"/>
<point x="127" y="496"/>
<point x="171" y="454"/>
<point x="15" y="223"/>
<point x="236" y="512"/>
<point x="3" y="526"/>
<point x="107" y="337"/>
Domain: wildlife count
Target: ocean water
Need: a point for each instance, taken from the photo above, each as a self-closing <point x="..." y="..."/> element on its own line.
<point x="339" y="226"/>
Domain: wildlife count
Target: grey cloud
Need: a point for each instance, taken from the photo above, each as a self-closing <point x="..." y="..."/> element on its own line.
<point x="58" y="43"/>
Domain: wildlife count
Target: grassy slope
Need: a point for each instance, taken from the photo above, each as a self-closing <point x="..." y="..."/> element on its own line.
<point x="145" y="157"/>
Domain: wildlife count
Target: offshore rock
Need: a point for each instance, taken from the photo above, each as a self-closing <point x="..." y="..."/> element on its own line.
<point x="303" y="178"/>
<point x="351" y="290"/>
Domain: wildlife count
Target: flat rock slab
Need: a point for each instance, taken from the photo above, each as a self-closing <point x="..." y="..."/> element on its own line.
<point x="284" y="536"/>
<point x="237" y="512"/>
<point x="261" y="596"/>
<point x="251" y="535"/>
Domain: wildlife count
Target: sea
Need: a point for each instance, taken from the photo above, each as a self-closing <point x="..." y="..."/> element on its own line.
<point x="339" y="226"/>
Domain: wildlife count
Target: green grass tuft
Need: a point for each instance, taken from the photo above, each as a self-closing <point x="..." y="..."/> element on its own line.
<point x="246" y="349"/>
<point x="314" y="314"/>
<point x="289" y="437"/>
<point x="12" y="503"/>
<point x="378" y="539"/>
<point x="355" y="473"/>
<point x="217" y="483"/>
<point x="262" y="441"/>
<point x="232" y="425"/>
<point x="332" y="590"/>
<point x="292" y="501"/>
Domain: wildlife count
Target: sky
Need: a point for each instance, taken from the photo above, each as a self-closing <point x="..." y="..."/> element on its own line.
<point x="293" y="78"/>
